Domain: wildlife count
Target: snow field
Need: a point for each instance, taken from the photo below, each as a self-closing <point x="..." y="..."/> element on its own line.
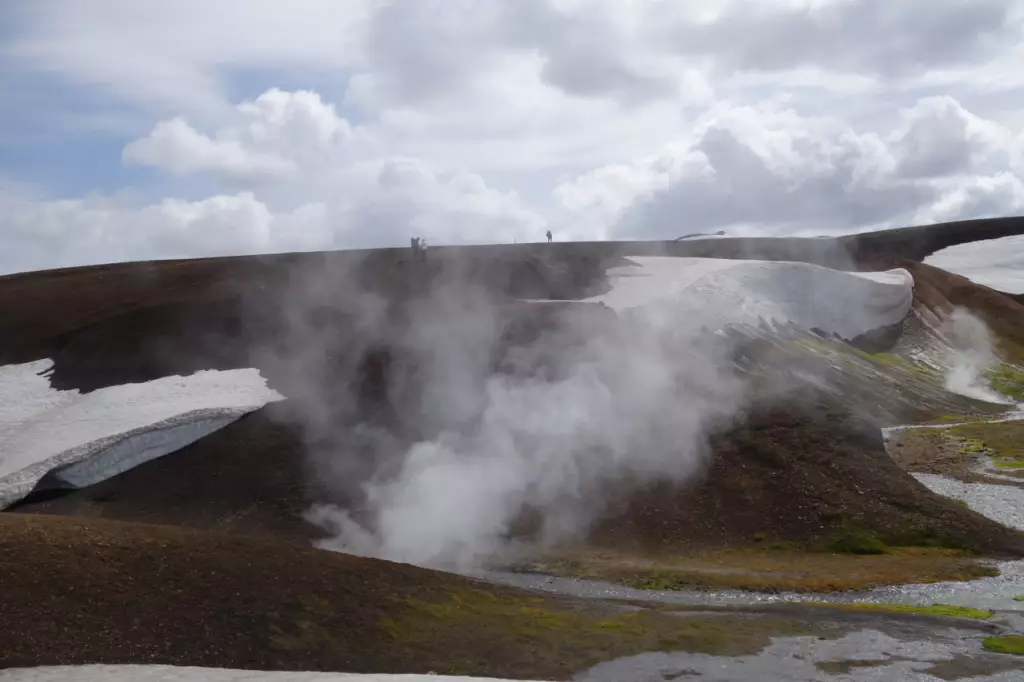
<point x="80" y="440"/>
<point x="714" y="292"/>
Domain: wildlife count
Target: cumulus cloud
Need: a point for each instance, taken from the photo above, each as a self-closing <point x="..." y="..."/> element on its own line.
<point x="277" y="136"/>
<point x="770" y="169"/>
<point x="492" y="121"/>
<point x="885" y="39"/>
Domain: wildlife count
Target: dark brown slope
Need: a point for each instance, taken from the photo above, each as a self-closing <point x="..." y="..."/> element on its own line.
<point x="807" y="473"/>
<point x="920" y="241"/>
<point x="803" y="471"/>
<point x="132" y="322"/>
<point x="40" y="311"/>
<point x="78" y="592"/>
<point x="846" y="252"/>
<point x="939" y="291"/>
<point x="248" y="297"/>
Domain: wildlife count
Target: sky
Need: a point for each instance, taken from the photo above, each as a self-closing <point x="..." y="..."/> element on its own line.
<point x="135" y="130"/>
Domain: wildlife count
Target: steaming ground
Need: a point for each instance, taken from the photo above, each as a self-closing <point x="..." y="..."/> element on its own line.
<point x="555" y="443"/>
<point x="550" y="441"/>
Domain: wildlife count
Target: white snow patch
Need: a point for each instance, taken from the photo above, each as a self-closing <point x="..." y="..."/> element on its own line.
<point x="84" y="439"/>
<point x="167" y="673"/>
<point x="748" y="291"/>
<point x="995" y="263"/>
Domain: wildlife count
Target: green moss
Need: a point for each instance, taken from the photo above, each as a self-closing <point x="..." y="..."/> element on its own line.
<point x="1008" y="380"/>
<point x="933" y="610"/>
<point x="577" y="637"/>
<point x="1004" y="440"/>
<point x="466" y="631"/>
<point x="970" y="446"/>
<point x="963" y="418"/>
<point x="1007" y="644"/>
<point x="857" y="542"/>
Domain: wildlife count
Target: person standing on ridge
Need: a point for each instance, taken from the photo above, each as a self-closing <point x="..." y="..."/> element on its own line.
<point x="548" y="235"/>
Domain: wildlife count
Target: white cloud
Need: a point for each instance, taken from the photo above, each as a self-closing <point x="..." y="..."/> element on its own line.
<point x="770" y="169"/>
<point x="278" y="136"/>
<point x="488" y="121"/>
<point x="402" y="198"/>
<point x="886" y="39"/>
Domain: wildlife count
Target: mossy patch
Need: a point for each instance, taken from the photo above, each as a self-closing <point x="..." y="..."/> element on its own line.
<point x="764" y="570"/>
<point x="857" y="542"/>
<point x="1004" y="441"/>
<point x="853" y="537"/>
<point x="848" y="666"/>
<point x="561" y="639"/>
<point x="1007" y="644"/>
<point x="933" y="610"/>
<point x="1008" y="380"/>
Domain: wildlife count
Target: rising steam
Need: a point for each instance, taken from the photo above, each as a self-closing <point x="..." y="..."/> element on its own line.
<point x="595" y="402"/>
<point x="971" y="355"/>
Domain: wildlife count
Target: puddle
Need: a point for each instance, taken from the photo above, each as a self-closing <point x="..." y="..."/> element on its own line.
<point x="863" y="656"/>
<point x="996" y="594"/>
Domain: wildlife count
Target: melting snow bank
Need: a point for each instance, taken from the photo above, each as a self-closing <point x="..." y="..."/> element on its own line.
<point x="996" y="263"/>
<point x="63" y="439"/>
<point x="167" y="673"/>
<point x="720" y="292"/>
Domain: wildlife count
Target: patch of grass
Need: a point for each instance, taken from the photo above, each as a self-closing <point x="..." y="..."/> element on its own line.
<point x="949" y="418"/>
<point x="1007" y="644"/>
<point x="1004" y="440"/>
<point x="971" y="446"/>
<point x="857" y="542"/>
<point x="569" y="639"/>
<point x="933" y="610"/>
<point x="853" y="538"/>
<point x="848" y="666"/>
<point x="893" y="361"/>
<point x="764" y="570"/>
<point x="1019" y="598"/>
<point x="1008" y="380"/>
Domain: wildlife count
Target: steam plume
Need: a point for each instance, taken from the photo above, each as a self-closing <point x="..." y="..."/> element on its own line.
<point x="594" y="402"/>
<point x="970" y="357"/>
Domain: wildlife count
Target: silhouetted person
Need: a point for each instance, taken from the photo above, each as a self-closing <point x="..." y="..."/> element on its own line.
<point x="548" y="235"/>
